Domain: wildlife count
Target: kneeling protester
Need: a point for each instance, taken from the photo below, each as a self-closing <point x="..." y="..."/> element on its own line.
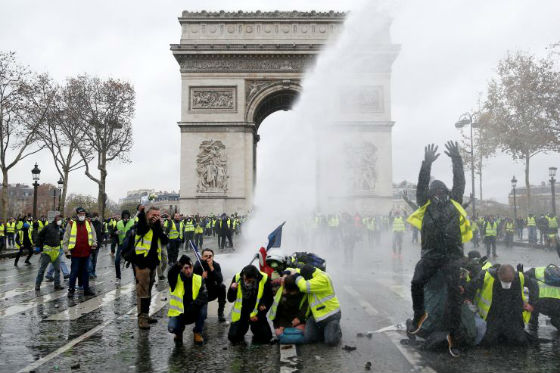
<point x="289" y="312"/>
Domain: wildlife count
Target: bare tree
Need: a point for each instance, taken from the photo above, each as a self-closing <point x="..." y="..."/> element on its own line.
<point x="61" y="134"/>
<point x="105" y="109"/>
<point x="25" y="99"/>
<point x="517" y="108"/>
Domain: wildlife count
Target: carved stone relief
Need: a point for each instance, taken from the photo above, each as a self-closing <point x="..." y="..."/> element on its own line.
<point x="213" y="98"/>
<point x="366" y="99"/>
<point x="240" y="63"/>
<point x="211" y="167"/>
<point x="361" y="162"/>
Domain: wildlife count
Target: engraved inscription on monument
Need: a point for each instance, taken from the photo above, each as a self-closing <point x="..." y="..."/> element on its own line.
<point x="213" y="98"/>
<point x="211" y="167"/>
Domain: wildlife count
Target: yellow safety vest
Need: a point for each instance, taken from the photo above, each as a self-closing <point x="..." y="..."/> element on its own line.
<point x="208" y="224"/>
<point x="198" y="229"/>
<point x="236" y="311"/>
<point x="509" y="227"/>
<point x="174" y="233"/>
<point x="176" y="305"/>
<point x="20" y="234"/>
<point x="485" y="300"/>
<point x="10" y="227"/>
<point x="333" y="221"/>
<point x="552" y="222"/>
<point x="277" y="299"/>
<point x="398" y="225"/>
<point x="74" y="232"/>
<point x="189" y="226"/>
<point x="52" y="251"/>
<point x="491" y="229"/>
<point x="466" y="233"/>
<point x="320" y="294"/>
<point x="371" y="224"/>
<point x="531" y="222"/>
<point x="1" y="230"/>
<point x="545" y="290"/>
<point x="144" y="243"/>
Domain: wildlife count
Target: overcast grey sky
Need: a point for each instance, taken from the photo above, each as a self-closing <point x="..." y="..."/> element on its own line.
<point x="449" y="52"/>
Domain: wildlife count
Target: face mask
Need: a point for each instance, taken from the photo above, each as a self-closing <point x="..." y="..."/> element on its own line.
<point x="59" y="222"/>
<point x="505" y="285"/>
<point x="81" y="218"/>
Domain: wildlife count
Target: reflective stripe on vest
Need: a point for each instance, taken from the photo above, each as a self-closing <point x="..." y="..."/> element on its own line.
<point x="545" y="290"/>
<point x="189" y="226"/>
<point x="176" y="305"/>
<point x="485" y="300"/>
<point x="20" y="235"/>
<point x="173" y="232"/>
<point x="145" y="243"/>
<point x="10" y="227"/>
<point x="398" y="225"/>
<point x="531" y="222"/>
<point x="74" y="232"/>
<point x="418" y="216"/>
<point x="236" y="310"/>
<point x="552" y="222"/>
<point x="509" y="227"/>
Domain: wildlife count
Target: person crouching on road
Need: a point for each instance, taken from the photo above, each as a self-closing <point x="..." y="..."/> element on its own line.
<point x="324" y="324"/>
<point x="251" y="293"/>
<point x="289" y="310"/>
<point x="188" y="300"/>
<point x="48" y="242"/>
<point x="212" y="274"/>
<point x="79" y="238"/>
<point x="148" y="243"/>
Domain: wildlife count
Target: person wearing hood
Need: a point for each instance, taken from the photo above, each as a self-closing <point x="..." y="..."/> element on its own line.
<point x="444" y="227"/>
<point x="123" y="226"/>
<point x="502" y="303"/>
<point x="250" y="292"/>
<point x="48" y="243"/>
<point x="24" y="240"/>
<point x="79" y="238"/>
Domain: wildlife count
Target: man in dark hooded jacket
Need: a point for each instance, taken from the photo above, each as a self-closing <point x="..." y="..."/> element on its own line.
<point x="440" y="216"/>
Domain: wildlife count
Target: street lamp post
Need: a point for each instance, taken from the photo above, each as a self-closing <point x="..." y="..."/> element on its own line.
<point x="552" y="174"/>
<point x="60" y="185"/>
<point x="35" y="173"/>
<point x="513" y="185"/>
<point x="467" y="119"/>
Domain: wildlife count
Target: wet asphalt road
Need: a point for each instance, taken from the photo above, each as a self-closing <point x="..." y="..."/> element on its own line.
<point x="49" y="333"/>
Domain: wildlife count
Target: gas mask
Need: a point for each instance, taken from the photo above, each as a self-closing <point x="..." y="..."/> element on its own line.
<point x="81" y="218"/>
<point x="59" y="222"/>
<point x="438" y="193"/>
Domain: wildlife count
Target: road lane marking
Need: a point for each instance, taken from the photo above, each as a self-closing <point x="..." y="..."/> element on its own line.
<point x="80" y="309"/>
<point x="288" y="358"/>
<point x="412" y="356"/>
<point x="81" y="338"/>
<point x="17" y="291"/>
<point x="370" y="310"/>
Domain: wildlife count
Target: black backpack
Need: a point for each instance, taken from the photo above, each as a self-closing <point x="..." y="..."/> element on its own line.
<point x="552" y="275"/>
<point x="128" y="251"/>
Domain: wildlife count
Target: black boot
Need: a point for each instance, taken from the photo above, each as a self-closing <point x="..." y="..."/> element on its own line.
<point x="221" y="306"/>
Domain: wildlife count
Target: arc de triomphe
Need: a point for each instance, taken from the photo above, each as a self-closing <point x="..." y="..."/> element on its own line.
<point x="236" y="69"/>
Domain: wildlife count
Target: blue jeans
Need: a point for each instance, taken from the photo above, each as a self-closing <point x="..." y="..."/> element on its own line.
<point x="79" y="268"/>
<point x="93" y="262"/>
<point x="118" y="261"/>
<point x="196" y="315"/>
<point x="327" y="330"/>
<point x="63" y="266"/>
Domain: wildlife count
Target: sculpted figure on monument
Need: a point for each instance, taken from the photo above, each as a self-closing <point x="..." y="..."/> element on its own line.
<point x="211" y="166"/>
<point x="361" y="160"/>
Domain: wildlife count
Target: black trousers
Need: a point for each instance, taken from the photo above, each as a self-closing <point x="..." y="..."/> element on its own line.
<point x="222" y="240"/>
<point x="217" y="292"/>
<point x="199" y="240"/>
<point x="490" y="243"/>
<point x="21" y="248"/>
<point x="173" y="251"/>
<point x="549" y="307"/>
<point x="425" y="269"/>
<point x="260" y="329"/>
<point x="505" y="331"/>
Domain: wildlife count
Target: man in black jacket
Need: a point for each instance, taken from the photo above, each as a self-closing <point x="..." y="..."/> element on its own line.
<point x="188" y="300"/>
<point x="251" y="293"/>
<point x="212" y="274"/>
<point x="441" y="238"/>
<point x="48" y="241"/>
<point x="98" y="226"/>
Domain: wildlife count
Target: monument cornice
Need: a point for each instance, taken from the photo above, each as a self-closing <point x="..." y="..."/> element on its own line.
<point x="245" y="48"/>
<point x="260" y="15"/>
<point x="233" y="63"/>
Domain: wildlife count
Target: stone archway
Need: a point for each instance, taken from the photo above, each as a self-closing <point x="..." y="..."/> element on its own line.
<point x="236" y="69"/>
